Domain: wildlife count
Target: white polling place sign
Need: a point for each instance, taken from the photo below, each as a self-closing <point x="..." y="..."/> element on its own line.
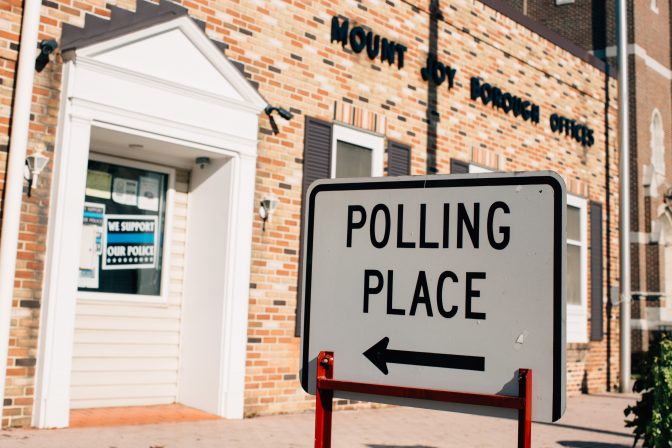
<point x="439" y="282"/>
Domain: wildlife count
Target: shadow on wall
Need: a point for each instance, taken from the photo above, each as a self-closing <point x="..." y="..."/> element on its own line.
<point x="587" y="444"/>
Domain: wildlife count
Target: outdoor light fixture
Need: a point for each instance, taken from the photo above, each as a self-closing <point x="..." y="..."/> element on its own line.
<point x="284" y="113"/>
<point x="46" y="48"/>
<point x="202" y="162"/>
<point x="34" y="166"/>
<point x="267" y="206"/>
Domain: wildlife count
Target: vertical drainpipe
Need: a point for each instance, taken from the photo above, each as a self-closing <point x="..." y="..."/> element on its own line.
<point x="623" y="137"/>
<point x="18" y="143"/>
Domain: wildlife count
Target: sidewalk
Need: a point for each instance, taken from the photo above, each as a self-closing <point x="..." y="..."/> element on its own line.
<point x="594" y="421"/>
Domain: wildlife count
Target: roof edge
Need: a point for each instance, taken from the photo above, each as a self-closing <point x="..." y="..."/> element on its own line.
<point x="550" y="35"/>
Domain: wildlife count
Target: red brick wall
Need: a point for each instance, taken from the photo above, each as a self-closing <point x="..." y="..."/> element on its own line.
<point x="285" y="46"/>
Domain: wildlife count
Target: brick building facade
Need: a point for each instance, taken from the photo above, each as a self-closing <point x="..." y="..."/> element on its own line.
<point x="591" y="25"/>
<point x="140" y="91"/>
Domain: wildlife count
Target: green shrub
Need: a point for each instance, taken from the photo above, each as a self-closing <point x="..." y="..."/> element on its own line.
<point x="652" y="420"/>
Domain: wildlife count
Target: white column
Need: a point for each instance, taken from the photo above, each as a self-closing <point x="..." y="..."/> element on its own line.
<point x="52" y="389"/>
<point x="624" y="173"/>
<point x="18" y="144"/>
<point x="235" y="353"/>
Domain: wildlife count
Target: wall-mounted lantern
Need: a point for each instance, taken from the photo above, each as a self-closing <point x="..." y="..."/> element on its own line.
<point x="266" y="208"/>
<point x="34" y="166"/>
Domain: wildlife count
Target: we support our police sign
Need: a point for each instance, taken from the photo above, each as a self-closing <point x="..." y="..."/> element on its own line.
<point x="440" y="282"/>
<point x="130" y="241"/>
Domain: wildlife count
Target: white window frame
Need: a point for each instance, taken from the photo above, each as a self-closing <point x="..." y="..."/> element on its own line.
<point x="359" y="137"/>
<point x="577" y="315"/>
<point x="478" y="169"/>
<point x="161" y="299"/>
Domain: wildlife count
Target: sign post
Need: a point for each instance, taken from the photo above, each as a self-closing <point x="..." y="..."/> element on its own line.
<point x="326" y="386"/>
<point x="445" y="285"/>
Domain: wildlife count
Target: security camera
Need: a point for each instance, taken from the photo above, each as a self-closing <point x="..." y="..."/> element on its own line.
<point x="46" y="48"/>
<point x="284" y="113"/>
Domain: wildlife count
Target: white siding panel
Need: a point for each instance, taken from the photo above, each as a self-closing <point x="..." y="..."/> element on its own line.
<point x="127" y="353"/>
<point x="126" y="337"/>
<point x="125" y="350"/>
<point x="115" y="310"/>
<point x="123" y="364"/>
<point x="119" y="378"/>
<point x="116" y="323"/>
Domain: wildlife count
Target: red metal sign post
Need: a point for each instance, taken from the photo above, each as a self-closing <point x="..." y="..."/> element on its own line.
<point x="326" y="385"/>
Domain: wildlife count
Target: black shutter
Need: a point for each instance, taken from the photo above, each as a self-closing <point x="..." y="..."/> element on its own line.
<point x="458" y="167"/>
<point x="316" y="165"/>
<point x="316" y="152"/>
<point x="398" y="159"/>
<point x="596" y="299"/>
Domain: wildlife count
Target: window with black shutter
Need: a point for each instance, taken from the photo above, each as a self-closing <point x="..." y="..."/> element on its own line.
<point x="336" y="150"/>
<point x="596" y="300"/>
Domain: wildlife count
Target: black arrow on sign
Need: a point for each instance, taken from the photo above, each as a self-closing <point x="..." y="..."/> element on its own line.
<point x="380" y="355"/>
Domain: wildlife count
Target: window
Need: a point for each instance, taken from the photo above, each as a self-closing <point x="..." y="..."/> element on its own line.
<point x="356" y="153"/>
<point x="124" y="230"/>
<point x="657" y="144"/>
<point x="577" y="264"/>
<point x="577" y="309"/>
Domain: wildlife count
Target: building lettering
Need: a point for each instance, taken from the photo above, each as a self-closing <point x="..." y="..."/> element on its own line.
<point x="360" y="39"/>
<point x="436" y="72"/>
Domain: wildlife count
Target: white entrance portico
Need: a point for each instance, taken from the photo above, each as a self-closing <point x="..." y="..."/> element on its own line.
<point x="166" y="88"/>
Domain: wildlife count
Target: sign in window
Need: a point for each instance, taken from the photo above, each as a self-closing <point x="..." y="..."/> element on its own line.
<point x="123" y="230"/>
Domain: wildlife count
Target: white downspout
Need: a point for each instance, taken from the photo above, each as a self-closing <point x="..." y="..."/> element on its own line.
<point x="623" y="137"/>
<point x="18" y="144"/>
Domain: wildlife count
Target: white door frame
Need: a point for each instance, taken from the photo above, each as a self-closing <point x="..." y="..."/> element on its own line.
<point x="96" y="94"/>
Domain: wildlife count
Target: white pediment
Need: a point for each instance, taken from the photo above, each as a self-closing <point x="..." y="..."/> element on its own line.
<point x="177" y="52"/>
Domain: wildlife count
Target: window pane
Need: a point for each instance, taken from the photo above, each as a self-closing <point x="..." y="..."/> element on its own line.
<point x="352" y="160"/>
<point x="573" y="223"/>
<point x="123" y="231"/>
<point x="573" y="275"/>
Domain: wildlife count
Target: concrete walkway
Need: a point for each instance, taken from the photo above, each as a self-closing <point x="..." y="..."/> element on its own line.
<point x="594" y="421"/>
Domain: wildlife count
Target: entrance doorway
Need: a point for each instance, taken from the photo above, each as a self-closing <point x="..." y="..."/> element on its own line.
<point x="150" y="273"/>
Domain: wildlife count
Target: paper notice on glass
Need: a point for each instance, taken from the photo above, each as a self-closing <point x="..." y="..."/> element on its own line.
<point x="93" y="216"/>
<point x="98" y="184"/>
<point x="125" y="191"/>
<point x="89" y="278"/>
<point x="88" y="253"/>
<point x="149" y="193"/>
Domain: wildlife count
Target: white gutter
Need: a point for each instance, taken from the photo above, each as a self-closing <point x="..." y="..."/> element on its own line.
<point x="624" y="176"/>
<point x="18" y="143"/>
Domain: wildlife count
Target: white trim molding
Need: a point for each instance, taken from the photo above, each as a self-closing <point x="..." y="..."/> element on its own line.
<point x="640" y="238"/>
<point x="640" y="52"/>
<point x="577" y="314"/>
<point x="359" y="137"/>
<point x="654" y="6"/>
